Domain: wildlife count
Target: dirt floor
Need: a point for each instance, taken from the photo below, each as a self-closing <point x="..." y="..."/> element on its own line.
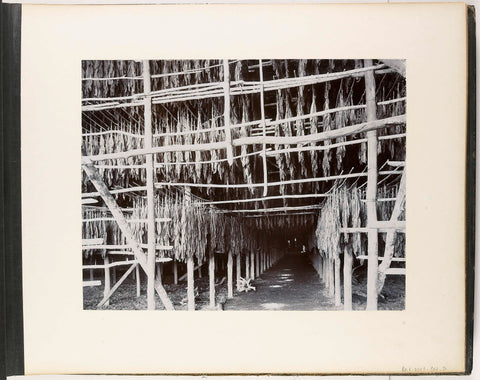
<point x="291" y="284"/>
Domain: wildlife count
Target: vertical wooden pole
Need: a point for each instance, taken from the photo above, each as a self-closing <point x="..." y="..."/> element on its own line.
<point x="338" y="293"/>
<point x="257" y="264"/>
<point x="331" y="285"/>
<point x="320" y="267"/>
<point x="199" y="269"/>
<point x="324" y="270"/>
<point x="150" y="188"/>
<point x="347" y="279"/>
<point x="371" y="196"/>
<point x="247" y="265"/>
<point x="264" y="151"/>
<point x="175" y="272"/>
<point x="228" y="132"/>
<point x="252" y="265"/>
<point x="190" y="262"/>
<point x="211" y="277"/>
<point x="137" y="279"/>
<point x="107" y="284"/>
<point x="230" y="275"/>
<point x="190" y="285"/>
<point x="91" y="274"/>
<point x="239" y="268"/>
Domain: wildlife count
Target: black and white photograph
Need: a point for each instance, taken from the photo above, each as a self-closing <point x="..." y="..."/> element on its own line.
<point x="242" y="184"/>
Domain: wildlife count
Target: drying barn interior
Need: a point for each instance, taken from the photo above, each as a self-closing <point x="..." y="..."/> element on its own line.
<point x="234" y="184"/>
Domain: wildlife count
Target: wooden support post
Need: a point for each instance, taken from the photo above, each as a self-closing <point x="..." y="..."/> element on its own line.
<point x="190" y="285"/>
<point x="338" y="292"/>
<point x="91" y="274"/>
<point x="150" y="188"/>
<point x="97" y="181"/>
<point x="230" y="275"/>
<point x="211" y="278"/>
<point x="137" y="279"/>
<point x="347" y="278"/>
<point x="264" y="146"/>
<point x="252" y="265"/>
<point x="190" y="263"/>
<point x="372" y="269"/>
<point x="239" y="268"/>
<point x="257" y="264"/>
<point x="107" y="283"/>
<point x="321" y="265"/>
<point x="200" y="270"/>
<point x="324" y="269"/>
<point x="247" y="265"/>
<point x="228" y="132"/>
<point x="331" y="282"/>
<point x="175" y="272"/>
<point x="158" y="272"/>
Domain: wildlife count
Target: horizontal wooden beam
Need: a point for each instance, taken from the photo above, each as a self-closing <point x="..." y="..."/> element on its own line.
<point x="258" y="140"/>
<point x="270" y="153"/>
<point x="110" y="265"/>
<point x="244" y="185"/>
<point x="397" y="271"/>
<point x="396" y="163"/>
<point x="389" y="224"/>
<point x="181" y="94"/>
<point x="380" y="258"/>
<point x="92" y="283"/>
<point x="261" y="199"/>
<point x="321" y="136"/>
<point x="116" y="247"/>
<point x="353" y="230"/>
<point x="111" y="219"/>
<point x="278" y="183"/>
<point x="273" y="209"/>
<point x="89" y="201"/>
<point x="87" y="242"/>
<point x="282" y="214"/>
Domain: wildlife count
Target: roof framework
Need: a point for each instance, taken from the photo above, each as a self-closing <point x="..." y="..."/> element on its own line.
<point x="273" y="147"/>
<point x="255" y="139"/>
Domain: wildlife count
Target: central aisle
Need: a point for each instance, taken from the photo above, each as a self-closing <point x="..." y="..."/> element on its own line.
<point x="291" y="284"/>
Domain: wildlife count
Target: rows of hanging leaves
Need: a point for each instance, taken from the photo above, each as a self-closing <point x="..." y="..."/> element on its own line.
<point x="200" y="121"/>
<point x="345" y="209"/>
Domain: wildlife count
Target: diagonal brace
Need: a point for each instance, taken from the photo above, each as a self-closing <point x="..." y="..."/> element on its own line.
<point x="97" y="180"/>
